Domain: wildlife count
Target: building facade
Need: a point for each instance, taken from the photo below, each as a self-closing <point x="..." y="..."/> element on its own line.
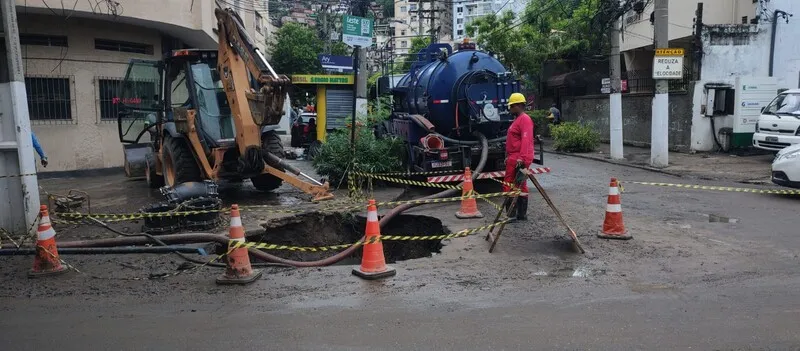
<point x="413" y="19"/>
<point x="466" y="11"/>
<point x="74" y="60"/>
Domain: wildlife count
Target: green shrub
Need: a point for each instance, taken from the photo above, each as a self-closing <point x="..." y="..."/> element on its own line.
<point x="540" y="121"/>
<point x="371" y="155"/>
<point x="574" y="137"/>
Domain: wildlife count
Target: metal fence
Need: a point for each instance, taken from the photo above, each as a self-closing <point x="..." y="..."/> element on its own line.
<point x="50" y="99"/>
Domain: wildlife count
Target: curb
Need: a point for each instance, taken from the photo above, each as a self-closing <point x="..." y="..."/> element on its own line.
<point x="618" y="163"/>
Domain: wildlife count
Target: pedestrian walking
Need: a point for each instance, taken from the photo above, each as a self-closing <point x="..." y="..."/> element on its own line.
<point x="519" y="153"/>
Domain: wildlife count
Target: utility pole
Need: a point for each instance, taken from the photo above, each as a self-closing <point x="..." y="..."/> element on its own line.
<point x="615" y="98"/>
<point x="659" y="137"/>
<point x="19" y="187"/>
<point x="698" y="41"/>
<point x="420" y="17"/>
<point x="432" y="18"/>
<point x="361" y="62"/>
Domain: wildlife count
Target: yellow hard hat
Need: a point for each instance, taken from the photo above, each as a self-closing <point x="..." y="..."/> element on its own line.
<point x="516" y="98"/>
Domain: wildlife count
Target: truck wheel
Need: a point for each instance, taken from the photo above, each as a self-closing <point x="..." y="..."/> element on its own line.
<point x="270" y="142"/>
<point x="154" y="181"/>
<point x="179" y="163"/>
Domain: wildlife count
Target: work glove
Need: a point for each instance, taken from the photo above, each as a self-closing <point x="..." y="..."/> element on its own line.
<point x="44" y="162"/>
<point x="520" y="164"/>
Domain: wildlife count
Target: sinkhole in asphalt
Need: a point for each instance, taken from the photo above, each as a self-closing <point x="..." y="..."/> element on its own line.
<point x="324" y="229"/>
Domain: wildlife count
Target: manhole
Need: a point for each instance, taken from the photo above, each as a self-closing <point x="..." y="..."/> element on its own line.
<point x="324" y="229"/>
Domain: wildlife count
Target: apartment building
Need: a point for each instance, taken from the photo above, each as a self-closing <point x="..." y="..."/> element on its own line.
<point x="466" y="11"/>
<point x="75" y="58"/>
<point x="413" y="19"/>
<point x="637" y="27"/>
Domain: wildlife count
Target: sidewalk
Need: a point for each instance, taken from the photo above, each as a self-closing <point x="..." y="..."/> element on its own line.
<point x="754" y="169"/>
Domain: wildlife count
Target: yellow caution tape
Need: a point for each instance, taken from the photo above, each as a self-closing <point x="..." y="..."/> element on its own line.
<point x="411" y="174"/>
<point x="722" y="188"/>
<point x="371" y="240"/>
<point x="407" y="182"/>
<point x="18" y="175"/>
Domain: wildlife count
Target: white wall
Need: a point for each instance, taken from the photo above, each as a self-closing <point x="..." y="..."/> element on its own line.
<point x="723" y="63"/>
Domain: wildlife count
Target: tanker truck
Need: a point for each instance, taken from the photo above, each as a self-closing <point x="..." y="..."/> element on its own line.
<point x="445" y="103"/>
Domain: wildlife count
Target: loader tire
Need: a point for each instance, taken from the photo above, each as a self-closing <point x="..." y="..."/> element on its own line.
<point x="154" y="181"/>
<point x="180" y="165"/>
<point x="270" y="142"/>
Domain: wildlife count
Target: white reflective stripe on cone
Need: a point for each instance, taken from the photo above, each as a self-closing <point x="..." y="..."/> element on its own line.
<point x="613" y="208"/>
<point x="372" y="216"/>
<point x="47" y="234"/>
<point x="44" y="220"/>
<point x="612" y="190"/>
<point x="523" y="194"/>
<point x="241" y="240"/>
<point x="236" y="221"/>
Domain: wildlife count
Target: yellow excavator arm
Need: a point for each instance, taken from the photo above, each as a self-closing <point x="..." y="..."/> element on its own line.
<point x="256" y="97"/>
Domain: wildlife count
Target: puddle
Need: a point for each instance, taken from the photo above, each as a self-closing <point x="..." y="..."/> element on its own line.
<point x="323" y="229"/>
<point x="569" y="272"/>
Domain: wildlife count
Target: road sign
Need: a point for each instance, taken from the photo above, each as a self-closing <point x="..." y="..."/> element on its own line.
<point x="668" y="63"/>
<point x="605" y="86"/>
<point x="357" y="31"/>
<point x="337" y="63"/>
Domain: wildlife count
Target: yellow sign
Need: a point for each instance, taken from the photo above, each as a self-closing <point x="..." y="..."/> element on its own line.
<point x="322" y="79"/>
<point x="670" y="52"/>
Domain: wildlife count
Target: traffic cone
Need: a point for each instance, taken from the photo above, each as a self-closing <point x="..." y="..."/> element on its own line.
<point x="237" y="269"/>
<point x="373" y="264"/>
<point x="613" y="228"/>
<point x="46" y="261"/>
<point x="469" y="207"/>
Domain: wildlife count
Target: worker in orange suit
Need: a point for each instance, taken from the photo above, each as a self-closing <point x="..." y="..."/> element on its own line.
<point x="519" y="154"/>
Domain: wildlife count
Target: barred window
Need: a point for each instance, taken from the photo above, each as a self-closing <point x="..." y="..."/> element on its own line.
<point x="43" y="40"/>
<point x="108" y="90"/>
<point x="49" y="98"/>
<point x="123" y="46"/>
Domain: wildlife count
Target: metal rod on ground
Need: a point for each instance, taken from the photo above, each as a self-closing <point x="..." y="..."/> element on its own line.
<point x="502" y="226"/>
<point x="555" y="210"/>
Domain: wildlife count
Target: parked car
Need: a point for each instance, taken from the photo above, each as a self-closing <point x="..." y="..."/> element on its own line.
<point x="786" y="167"/>
<point x="304" y="130"/>
<point x="778" y="125"/>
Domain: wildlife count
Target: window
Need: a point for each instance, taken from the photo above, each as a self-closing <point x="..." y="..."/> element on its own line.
<point x="459" y="9"/>
<point x="258" y="22"/>
<point x="49" y="98"/>
<point x="460" y="32"/>
<point x="403" y="9"/>
<point x="107" y="93"/>
<point x="403" y="44"/>
<point x="460" y="20"/>
<point x="43" y="40"/>
<point x="403" y="33"/>
<point x="413" y="18"/>
<point x="123" y="46"/>
<point x="412" y="7"/>
<point x="744" y="19"/>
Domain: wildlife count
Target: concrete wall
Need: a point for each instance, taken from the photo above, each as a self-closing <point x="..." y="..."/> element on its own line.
<point x="748" y="56"/>
<point x="639" y="32"/>
<point x="85" y="142"/>
<point x="636" y="117"/>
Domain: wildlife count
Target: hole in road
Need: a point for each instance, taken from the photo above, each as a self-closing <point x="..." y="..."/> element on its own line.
<point x="323" y="229"/>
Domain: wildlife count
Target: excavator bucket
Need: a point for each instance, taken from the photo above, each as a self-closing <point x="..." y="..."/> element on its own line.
<point x="135" y="161"/>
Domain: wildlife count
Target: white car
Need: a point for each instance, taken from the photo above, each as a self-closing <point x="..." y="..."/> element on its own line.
<point x="779" y="123"/>
<point x="786" y="167"/>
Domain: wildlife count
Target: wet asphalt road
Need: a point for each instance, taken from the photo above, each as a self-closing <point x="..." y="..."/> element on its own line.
<point x="682" y="282"/>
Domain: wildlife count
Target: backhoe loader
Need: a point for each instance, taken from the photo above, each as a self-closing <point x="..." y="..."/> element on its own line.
<point x="208" y="114"/>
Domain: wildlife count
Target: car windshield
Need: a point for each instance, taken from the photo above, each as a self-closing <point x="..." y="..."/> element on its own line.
<point x="788" y="104"/>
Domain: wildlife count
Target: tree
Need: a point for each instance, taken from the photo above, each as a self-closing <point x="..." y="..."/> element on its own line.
<point x="417" y="44"/>
<point x="547" y="30"/>
<point x="295" y="50"/>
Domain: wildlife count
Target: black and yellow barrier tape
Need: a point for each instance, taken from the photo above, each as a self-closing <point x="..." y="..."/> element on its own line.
<point x="406" y="181"/>
<point x="721" y="188"/>
<point x="18" y="175"/>
<point x="119" y="217"/>
<point x="424" y="173"/>
<point x="267" y="246"/>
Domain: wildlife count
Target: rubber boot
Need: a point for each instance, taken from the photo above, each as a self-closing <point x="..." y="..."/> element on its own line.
<point x="522" y="208"/>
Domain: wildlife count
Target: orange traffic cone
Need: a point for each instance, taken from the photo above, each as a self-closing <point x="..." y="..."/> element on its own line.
<point x="613" y="228"/>
<point x="238" y="269"/>
<point x="469" y="207"/>
<point x="373" y="264"/>
<point x="46" y="261"/>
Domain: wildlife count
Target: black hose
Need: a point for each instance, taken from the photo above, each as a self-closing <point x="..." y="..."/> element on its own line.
<point x="714" y="134"/>
<point x="107" y="250"/>
<point x="451" y="140"/>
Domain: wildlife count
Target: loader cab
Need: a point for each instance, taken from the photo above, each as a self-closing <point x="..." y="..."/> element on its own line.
<point x="184" y="80"/>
